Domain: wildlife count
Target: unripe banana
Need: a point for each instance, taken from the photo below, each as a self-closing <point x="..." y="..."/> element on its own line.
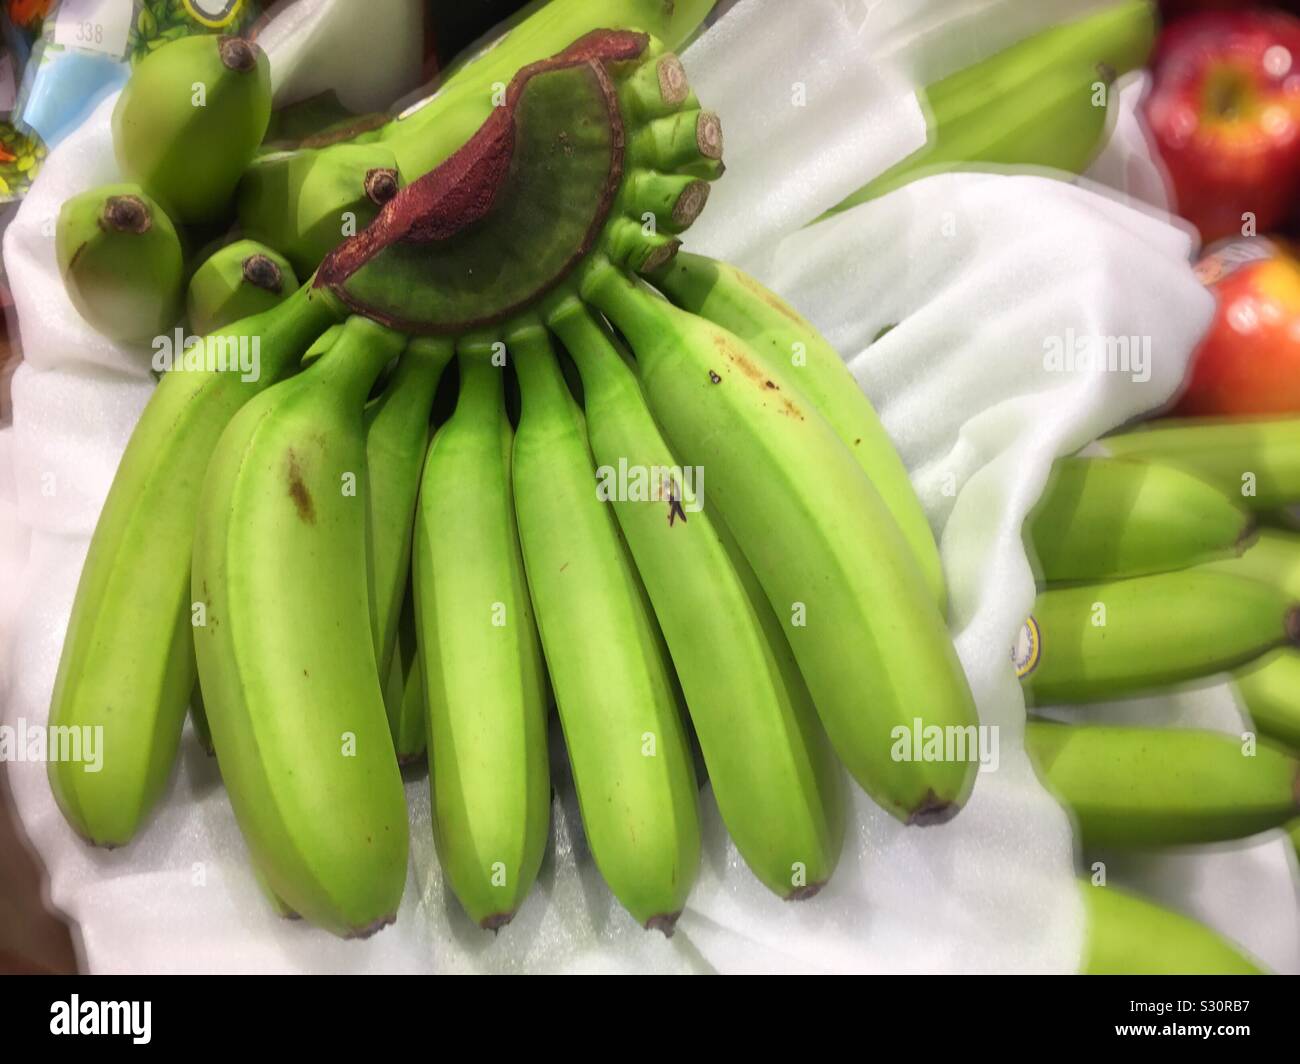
<point x="189" y="121"/>
<point x="1294" y="831"/>
<point x="1104" y="519"/>
<point x="1270" y="690"/>
<point x="199" y="718"/>
<point x="286" y="656"/>
<point x="776" y="781"/>
<point x="1098" y="641"/>
<point x="305" y="202"/>
<point x="485" y="689"/>
<point x="128" y="659"/>
<point x="425" y="135"/>
<point x="1254" y="461"/>
<point x="397" y="438"/>
<point x="404" y="688"/>
<point x="237" y="281"/>
<point x="608" y="669"/>
<point x="1042" y="102"/>
<point x="121" y="261"/>
<point x="781" y="339"/>
<point x="683" y="142"/>
<point x="1272" y="557"/>
<point x="837" y="571"/>
<point x="1130" y="787"/>
<point x="1128" y="935"/>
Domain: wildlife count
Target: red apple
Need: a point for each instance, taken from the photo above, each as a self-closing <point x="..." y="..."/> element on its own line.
<point x="1224" y="111"/>
<point x="1249" y="360"/>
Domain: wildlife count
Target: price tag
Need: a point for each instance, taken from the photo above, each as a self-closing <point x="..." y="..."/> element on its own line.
<point x="94" y="25"/>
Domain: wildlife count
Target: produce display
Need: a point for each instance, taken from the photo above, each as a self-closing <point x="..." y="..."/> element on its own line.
<point x="427" y="459"/>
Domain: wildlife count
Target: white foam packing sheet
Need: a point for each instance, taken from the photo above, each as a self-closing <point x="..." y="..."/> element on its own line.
<point x="975" y="272"/>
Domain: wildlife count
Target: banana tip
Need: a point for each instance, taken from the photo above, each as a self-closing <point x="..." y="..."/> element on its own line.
<point x="933" y="810"/>
<point x="496" y="921"/>
<point x="1293" y="625"/>
<point x="804" y="893"/>
<point x="372" y="928"/>
<point x="665" y="922"/>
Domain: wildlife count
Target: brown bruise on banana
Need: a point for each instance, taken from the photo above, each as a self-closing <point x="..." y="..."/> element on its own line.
<point x="298" y="491"/>
<point x="747" y="367"/>
<point x="461" y="190"/>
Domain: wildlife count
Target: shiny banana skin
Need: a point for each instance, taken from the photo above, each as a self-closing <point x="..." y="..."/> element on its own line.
<point x="853" y="603"/>
<point x="1270" y="691"/>
<point x="1138" y="787"/>
<point x="1128" y="935"/>
<point x="286" y="656"/>
<point x="404" y="688"/>
<point x="397" y="439"/>
<point x="1105" y="519"/>
<point x="128" y="660"/>
<point x="237" y="281"/>
<point x="1033" y="104"/>
<point x="1272" y="556"/>
<point x="190" y="156"/>
<point x="1254" y="461"/>
<point x="485" y="686"/>
<point x="788" y="345"/>
<point x="604" y="654"/>
<point x="1126" y="637"/>
<point x="121" y="262"/>
<point x="772" y="771"/>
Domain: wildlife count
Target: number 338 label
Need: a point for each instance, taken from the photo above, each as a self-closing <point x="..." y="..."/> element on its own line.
<point x="94" y="25"/>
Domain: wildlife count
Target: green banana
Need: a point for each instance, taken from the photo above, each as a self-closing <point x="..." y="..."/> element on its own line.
<point x="1128" y="935"/>
<point x="1035" y="103"/>
<point x="1130" y="787"/>
<point x="286" y="656"/>
<point x="1272" y="557"/>
<point x="199" y="718"/>
<point x="853" y="603"/>
<point x="128" y="661"/>
<point x="397" y="438"/>
<point x="189" y="121"/>
<point x="305" y="202"/>
<point x="1104" y="519"/>
<point x="1256" y="461"/>
<point x="427" y="132"/>
<point x="1293" y="829"/>
<point x="485" y="690"/>
<point x="1270" y="690"/>
<point x="772" y="771"/>
<point x="237" y="281"/>
<point x="783" y="340"/>
<point x="1113" y="640"/>
<point x="404" y="688"/>
<point x="615" y="692"/>
<point x="121" y="261"/>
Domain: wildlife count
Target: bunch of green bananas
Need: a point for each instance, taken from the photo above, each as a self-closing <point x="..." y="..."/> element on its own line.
<point x="351" y="587"/>
<point x="349" y="551"/>
<point x="1155" y="572"/>
<point x="1043" y="102"/>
